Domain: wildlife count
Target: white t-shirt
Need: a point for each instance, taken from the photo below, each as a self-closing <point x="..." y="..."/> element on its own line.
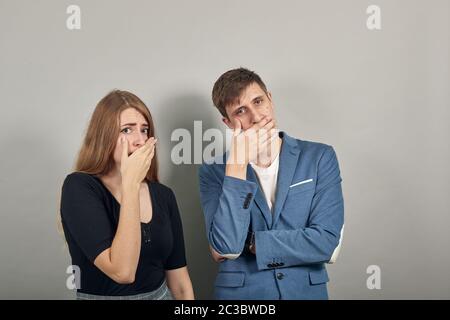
<point x="267" y="178"/>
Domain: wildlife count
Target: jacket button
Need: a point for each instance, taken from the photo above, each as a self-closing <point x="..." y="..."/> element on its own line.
<point x="281" y="264"/>
<point x="280" y="276"/>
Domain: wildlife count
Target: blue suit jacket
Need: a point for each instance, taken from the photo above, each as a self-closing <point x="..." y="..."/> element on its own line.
<point x="293" y="242"/>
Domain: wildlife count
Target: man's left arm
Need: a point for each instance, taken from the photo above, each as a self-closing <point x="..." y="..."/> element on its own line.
<point x="317" y="242"/>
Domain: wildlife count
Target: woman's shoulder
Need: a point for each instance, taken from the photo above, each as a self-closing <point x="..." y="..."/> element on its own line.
<point x="162" y="189"/>
<point x="79" y="180"/>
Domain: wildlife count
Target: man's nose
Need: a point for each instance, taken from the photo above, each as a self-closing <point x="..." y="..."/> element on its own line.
<point x="257" y="117"/>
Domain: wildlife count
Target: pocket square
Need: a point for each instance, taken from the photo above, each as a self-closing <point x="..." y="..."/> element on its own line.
<point x="301" y="182"/>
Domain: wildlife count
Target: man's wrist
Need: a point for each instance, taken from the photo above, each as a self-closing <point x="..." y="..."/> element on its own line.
<point x="236" y="170"/>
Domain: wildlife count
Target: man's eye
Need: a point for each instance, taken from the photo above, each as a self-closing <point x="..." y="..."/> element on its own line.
<point x="240" y="111"/>
<point x="125" y="130"/>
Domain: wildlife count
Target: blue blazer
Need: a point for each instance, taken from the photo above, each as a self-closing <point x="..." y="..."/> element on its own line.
<point x="293" y="242"/>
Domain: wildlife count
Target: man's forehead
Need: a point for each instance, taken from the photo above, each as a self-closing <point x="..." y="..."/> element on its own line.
<point x="251" y="92"/>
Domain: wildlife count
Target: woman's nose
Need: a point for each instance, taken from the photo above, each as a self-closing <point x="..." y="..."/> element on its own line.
<point x="139" y="139"/>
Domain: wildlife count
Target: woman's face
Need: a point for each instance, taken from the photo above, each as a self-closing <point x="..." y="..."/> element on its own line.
<point x="134" y="128"/>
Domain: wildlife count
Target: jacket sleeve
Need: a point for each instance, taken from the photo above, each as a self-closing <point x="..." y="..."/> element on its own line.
<point x="226" y="206"/>
<point x="317" y="242"/>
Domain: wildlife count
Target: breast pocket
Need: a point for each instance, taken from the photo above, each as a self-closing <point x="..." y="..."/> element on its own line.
<point x="301" y="186"/>
<point x="298" y="204"/>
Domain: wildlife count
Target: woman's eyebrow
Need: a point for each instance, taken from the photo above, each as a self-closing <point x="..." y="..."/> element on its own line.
<point x="133" y="124"/>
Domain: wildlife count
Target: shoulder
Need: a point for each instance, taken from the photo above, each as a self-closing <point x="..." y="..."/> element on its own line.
<point x="317" y="148"/>
<point x="162" y="190"/>
<point x="310" y="148"/>
<point x="80" y="181"/>
<point x="321" y="154"/>
<point x="79" y="177"/>
<point x="312" y="151"/>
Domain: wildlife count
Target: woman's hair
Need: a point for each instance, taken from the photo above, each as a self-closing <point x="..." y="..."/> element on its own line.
<point x="96" y="154"/>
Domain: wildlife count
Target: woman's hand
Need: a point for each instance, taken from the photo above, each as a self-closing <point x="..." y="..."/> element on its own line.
<point x="134" y="168"/>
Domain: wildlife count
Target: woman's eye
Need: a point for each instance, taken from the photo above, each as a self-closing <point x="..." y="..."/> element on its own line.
<point x="125" y="130"/>
<point x="258" y="101"/>
<point x="145" y="130"/>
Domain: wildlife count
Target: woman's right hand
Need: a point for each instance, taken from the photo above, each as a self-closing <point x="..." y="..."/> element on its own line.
<point x="134" y="168"/>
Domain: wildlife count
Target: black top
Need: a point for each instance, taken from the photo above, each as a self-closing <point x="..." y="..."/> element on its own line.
<point x="90" y="216"/>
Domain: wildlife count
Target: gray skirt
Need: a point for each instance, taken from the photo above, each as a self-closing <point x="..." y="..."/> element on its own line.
<point x="162" y="293"/>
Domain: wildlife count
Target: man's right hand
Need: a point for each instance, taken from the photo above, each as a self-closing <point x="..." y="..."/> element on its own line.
<point x="247" y="145"/>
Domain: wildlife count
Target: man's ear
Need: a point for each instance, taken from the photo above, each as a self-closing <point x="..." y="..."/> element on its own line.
<point x="228" y="123"/>
<point x="269" y="95"/>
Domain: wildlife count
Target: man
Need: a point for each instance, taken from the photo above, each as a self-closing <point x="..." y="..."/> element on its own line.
<point x="273" y="206"/>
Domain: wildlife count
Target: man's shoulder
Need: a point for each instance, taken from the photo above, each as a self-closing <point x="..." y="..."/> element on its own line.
<point x="316" y="152"/>
<point x="309" y="147"/>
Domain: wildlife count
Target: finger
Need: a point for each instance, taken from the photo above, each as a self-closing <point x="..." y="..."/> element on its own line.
<point x="268" y="136"/>
<point x="149" y="151"/>
<point x="261" y="123"/>
<point x="269" y="125"/>
<point x="146" y="147"/>
<point x="150" y="141"/>
<point x="124" y="144"/>
<point x="215" y="255"/>
<point x="237" y="126"/>
<point x="267" y="131"/>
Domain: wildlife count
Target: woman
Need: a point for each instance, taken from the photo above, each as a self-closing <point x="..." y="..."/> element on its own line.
<point x="122" y="226"/>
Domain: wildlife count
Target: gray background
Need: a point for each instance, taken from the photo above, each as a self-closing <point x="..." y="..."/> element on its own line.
<point x="379" y="97"/>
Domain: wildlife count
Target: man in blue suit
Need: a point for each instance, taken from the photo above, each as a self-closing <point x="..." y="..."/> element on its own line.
<point x="273" y="204"/>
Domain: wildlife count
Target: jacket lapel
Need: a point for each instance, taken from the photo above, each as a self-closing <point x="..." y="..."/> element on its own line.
<point x="290" y="152"/>
<point x="260" y="199"/>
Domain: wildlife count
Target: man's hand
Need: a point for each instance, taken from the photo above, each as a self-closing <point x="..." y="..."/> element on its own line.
<point x="252" y="248"/>
<point x="215" y="255"/>
<point x="247" y="146"/>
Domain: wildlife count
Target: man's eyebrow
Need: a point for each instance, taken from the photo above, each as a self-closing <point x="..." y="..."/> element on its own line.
<point x="258" y="98"/>
<point x="133" y="124"/>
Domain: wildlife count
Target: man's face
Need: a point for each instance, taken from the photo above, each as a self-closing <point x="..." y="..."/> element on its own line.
<point x="252" y="106"/>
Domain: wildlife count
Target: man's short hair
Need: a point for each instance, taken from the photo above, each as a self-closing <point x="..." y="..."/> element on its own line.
<point x="228" y="88"/>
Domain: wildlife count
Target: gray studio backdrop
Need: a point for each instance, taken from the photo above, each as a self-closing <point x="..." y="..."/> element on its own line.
<point x="379" y="97"/>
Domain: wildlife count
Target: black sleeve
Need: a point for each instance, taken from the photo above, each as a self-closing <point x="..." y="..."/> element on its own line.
<point x="177" y="258"/>
<point x="84" y="215"/>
